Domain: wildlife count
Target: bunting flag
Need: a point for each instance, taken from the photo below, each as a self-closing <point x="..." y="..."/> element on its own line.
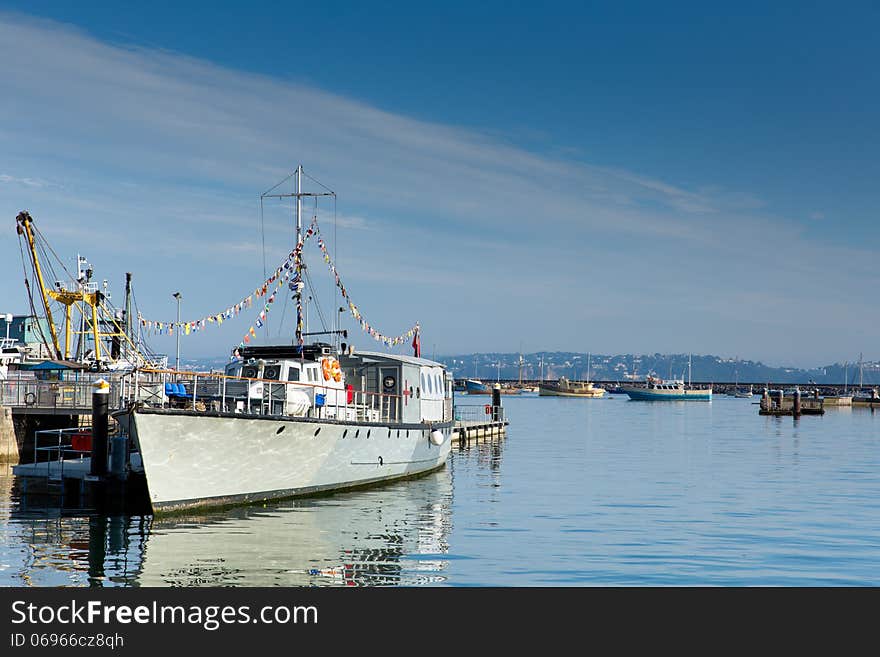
<point x="287" y="274"/>
<point x="355" y="312"/>
<point x="281" y="274"/>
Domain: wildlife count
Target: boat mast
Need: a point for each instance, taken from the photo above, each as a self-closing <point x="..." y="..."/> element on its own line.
<point x="298" y="211"/>
<point x="689" y="370"/>
<point x="128" y="332"/>
<point x="298" y="220"/>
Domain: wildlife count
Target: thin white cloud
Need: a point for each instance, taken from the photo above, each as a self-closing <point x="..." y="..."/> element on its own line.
<point x="6" y="179"/>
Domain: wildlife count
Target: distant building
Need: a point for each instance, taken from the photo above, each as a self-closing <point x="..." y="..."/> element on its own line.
<point x="28" y="331"/>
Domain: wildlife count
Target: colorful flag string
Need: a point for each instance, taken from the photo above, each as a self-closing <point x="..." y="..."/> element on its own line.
<point x="355" y="311"/>
<point x="281" y="274"/>
<point x="289" y="271"/>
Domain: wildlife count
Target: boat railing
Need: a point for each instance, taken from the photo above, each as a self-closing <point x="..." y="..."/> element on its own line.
<point x="481" y="413"/>
<point x="55" y="446"/>
<point x="217" y="392"/>
<point x="38" y="395"/>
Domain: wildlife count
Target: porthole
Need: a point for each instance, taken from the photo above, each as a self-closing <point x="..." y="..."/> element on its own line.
<point x="345" y="433"/>
<point x="357" y="433"/>
<point x="280" y="429"/>
<point x="389" y="433"/>
<point x="369" y="431"/>
<point x="317" y="431"/>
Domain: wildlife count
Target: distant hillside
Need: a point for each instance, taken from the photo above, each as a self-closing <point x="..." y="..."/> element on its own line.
<point x="622" y="367"/>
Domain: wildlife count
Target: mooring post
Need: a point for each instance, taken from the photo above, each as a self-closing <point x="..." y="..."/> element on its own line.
<point x="100" y="408"/>
<point x="496" y="402"/>
<point x="796" y="408"/>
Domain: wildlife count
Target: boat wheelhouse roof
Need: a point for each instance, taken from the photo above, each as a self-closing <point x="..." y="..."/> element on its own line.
<point x="379" y="356"/>
<point x="289" y="351"/>
<point x="53" y="365"/>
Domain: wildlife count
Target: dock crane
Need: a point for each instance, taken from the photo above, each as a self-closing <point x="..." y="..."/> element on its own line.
<point x="102" y="325"/>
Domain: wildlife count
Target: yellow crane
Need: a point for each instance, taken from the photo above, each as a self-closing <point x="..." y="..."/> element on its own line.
<point x="88" y="301"/>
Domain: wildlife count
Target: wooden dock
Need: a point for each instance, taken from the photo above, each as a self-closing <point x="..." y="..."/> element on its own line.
<point x="466" y="430"/>
<point x="777" y="403"/>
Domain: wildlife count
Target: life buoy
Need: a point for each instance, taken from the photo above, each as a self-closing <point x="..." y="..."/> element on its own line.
<point x="331" y="370"/>
<point x="30" y="399"/>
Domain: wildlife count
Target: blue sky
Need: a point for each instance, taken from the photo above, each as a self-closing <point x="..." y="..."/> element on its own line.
<point x="624" y="178"/>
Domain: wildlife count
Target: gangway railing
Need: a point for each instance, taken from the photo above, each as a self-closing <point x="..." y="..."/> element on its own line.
<point x="481" y="413"/>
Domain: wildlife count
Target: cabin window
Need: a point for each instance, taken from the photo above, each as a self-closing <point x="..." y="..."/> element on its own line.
<point x="249" y="372"/>
<point x="422" y="378"/>
<point x="293" y="374"/>
<point x="271" y="372"/>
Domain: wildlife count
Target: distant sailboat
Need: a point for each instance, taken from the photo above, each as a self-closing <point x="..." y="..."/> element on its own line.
<point x="566" y="388"/>
<point x="844" y="399"/>
<point x="736" y="391"/>
<point x="865" y="397"/>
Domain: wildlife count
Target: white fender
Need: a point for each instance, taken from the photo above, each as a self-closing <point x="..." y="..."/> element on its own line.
<point x="437" y="437"/>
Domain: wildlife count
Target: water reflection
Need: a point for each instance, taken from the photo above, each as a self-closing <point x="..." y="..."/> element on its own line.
<point x="391" y="535"/>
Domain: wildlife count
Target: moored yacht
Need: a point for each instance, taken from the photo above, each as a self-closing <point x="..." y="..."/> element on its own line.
<point x="670" y="390"/>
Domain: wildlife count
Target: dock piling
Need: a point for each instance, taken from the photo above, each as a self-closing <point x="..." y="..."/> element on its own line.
<point x="100" y="425"/>
<point x="496" y="403"/>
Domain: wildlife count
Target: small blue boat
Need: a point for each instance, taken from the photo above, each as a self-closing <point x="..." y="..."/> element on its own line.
<point x="674" y="390"/>
<point x="477" y="387"/>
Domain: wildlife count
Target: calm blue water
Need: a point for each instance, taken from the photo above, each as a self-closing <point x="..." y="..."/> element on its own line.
<point x="580" y="493"/>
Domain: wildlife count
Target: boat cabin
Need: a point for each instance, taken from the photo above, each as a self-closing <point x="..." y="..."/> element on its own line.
<point x="412" y="389"/>
<point x="366" y="386"/>
<point x="659" y="384"/>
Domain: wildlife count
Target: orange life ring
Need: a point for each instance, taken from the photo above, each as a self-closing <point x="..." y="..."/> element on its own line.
<point x="331" y="370"/>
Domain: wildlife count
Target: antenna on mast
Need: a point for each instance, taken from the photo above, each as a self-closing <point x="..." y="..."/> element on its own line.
<point x="298" y="194"/>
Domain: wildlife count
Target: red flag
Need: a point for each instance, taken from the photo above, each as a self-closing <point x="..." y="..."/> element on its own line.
<point x="417" y="345"/>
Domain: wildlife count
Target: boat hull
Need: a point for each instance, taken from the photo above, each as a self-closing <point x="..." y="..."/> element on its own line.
<point x="195" y="460"/>
<point x="477" y="388"/>
<point x="644" y="394"/>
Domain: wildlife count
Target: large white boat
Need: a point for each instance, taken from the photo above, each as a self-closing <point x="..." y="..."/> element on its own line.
<point x="286" y="420"/>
